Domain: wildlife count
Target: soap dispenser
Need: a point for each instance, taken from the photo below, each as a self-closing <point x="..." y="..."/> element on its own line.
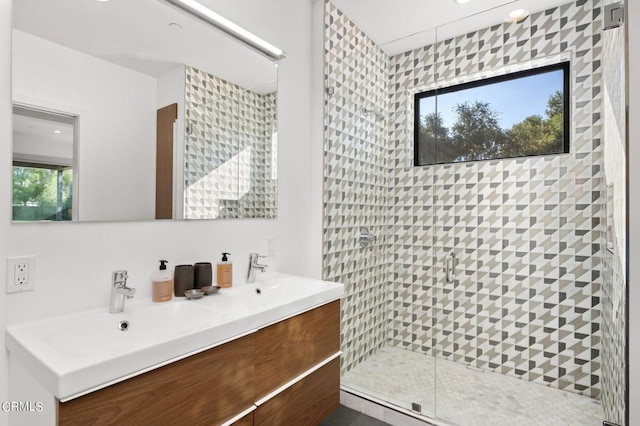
<point x="162" y="284"/>
<point x="224" y="272"/>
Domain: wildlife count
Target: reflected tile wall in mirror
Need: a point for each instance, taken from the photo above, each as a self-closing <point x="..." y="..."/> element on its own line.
<point x="230" y="149"/>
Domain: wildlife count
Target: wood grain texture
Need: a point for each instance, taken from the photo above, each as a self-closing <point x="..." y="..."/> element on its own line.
<point x="204" y="389"/>
<point x="305" y="403"/>
<point x="289" y="348"/>
<point x="245" y="421"/>
<point x="164" y="161"/>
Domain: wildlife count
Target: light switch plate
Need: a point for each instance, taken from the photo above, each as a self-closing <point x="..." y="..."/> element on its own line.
<point x="271" y="246"/>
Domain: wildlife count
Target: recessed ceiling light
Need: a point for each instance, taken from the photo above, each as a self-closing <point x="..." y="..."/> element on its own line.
<point x="202" y="12"/>
<point x="461" y="1"/>
<point x="57" y="132"/>
<point x="103" y="1"/>
<point x="517" y="15"/>
<point x="175" y="26"/>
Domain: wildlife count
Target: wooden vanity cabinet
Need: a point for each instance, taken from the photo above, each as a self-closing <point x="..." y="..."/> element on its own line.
<point x="307" y="402"/>
<point x="289" y="348"/>
<point x="204" y="389"/>
<point x="245" y="421"/>
<point x="218" y="384"/>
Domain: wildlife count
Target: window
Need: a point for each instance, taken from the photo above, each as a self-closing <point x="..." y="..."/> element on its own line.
<point x="515" y="115"/>
<point x="42" y="192"/>
<point x="43" y="164"/>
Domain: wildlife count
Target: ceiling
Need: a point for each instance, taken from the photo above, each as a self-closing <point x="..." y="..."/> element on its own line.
<point x="42" y="131"/>
<point x="401" y="25"/>
<point x="38" y="139"/>
<point x="137" y="34"/>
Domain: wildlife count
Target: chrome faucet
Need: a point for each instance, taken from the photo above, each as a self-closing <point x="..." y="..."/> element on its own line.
<point x="253" y="265"/>
<point x="119" y="291"/>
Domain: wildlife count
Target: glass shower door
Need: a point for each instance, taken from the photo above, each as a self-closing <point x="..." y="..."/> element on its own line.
<point x="367" y="152"/>
<point x="530" y="330"/>
<point x="356" y="204"/>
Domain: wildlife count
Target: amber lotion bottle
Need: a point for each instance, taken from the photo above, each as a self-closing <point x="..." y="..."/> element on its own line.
<point x="224" y="272"/>
<point x="162" y="284"/>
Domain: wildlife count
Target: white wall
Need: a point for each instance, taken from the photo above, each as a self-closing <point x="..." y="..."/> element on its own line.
<point x="74" y="261"/>
<point x="633" y="27"/>
<point x="5" y="182"/>
<point x="117" y="132"/>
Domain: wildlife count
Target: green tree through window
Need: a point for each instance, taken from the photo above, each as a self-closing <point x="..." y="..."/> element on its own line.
<point x="474" y="130"/>
<point x="41" y="193"/>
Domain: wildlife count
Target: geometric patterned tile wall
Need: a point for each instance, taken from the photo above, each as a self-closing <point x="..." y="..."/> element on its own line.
<point x="228" y="150"/>
<point x="527" y="232"/>
<point x="614" y="260"/>
<point x="356" y="184"/>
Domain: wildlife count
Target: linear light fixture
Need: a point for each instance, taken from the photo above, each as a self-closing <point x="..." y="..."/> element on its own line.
<point x="203" y="13"/>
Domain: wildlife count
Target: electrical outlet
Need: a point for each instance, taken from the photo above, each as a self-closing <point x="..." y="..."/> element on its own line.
<point x="271" y="246"/>
<point x="21" y="274"/>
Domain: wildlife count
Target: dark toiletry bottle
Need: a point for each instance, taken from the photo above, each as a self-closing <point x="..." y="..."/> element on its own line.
<point x="183" y="279"/>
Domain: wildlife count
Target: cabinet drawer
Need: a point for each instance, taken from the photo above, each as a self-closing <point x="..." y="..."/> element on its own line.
<point x="289" y="348"/>
<point x="306" y="402"/>
<point x="206" y="388"/>
<point x="245" y="421"/>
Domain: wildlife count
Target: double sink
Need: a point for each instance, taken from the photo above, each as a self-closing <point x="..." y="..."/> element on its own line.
<point x="75" y="354"/>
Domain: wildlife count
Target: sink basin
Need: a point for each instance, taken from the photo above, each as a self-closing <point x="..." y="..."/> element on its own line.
<point x="75" y="354"/>
<point x="274" y="297"/>
<point x="102" y="333"/>
<point x="279" y="290"/>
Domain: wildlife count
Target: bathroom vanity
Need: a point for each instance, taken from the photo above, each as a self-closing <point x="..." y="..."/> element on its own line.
<point x="265" y="353"/>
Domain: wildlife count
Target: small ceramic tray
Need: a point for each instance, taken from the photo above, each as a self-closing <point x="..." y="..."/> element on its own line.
<point x="194" y="293"/>
<point x="210" y="289"/>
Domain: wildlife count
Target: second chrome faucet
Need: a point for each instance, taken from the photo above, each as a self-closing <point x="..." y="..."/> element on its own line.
<point x="253" y="266"/>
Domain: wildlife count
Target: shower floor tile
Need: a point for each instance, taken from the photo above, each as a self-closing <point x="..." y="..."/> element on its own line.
<point x="464" y="396"/>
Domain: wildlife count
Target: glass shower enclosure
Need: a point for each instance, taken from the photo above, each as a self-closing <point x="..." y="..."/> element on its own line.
<point x="485" y="287"/>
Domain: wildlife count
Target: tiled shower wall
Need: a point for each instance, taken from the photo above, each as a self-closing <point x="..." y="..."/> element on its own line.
<point x="356" y="172"/>
<point x="614" y="257"/>
<point x="229" y="150"/>
<point x="527" y="232"/>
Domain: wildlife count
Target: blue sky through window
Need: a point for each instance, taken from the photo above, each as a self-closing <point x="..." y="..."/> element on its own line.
<point x="514" y="99"/>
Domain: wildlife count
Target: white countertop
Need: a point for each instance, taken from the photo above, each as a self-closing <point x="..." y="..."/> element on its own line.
<point x="74" y="354"/>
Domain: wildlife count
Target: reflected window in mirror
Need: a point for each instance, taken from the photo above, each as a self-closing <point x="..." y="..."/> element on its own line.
<point x="43" y="165"/>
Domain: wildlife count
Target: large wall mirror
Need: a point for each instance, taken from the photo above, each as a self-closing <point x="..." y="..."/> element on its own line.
<point x="133" y="110"/>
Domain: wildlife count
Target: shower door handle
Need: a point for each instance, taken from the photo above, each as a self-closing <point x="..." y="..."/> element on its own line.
<point x="449" y="267"/>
